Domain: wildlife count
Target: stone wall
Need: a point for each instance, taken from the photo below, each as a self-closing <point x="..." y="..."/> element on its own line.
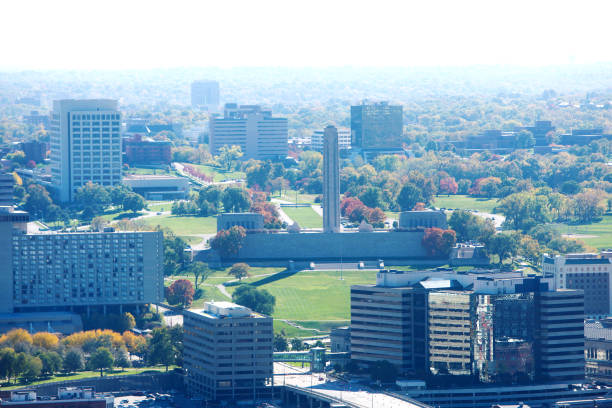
<point x="356" y="246"/>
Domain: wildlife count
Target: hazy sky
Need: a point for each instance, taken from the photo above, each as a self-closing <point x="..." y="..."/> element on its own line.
<point x="130" y="34"/>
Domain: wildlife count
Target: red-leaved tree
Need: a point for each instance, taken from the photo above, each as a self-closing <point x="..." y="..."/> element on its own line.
<point x="181" y="291"/>
<point x="228" y="242"/>
<point x="439" y="242"/>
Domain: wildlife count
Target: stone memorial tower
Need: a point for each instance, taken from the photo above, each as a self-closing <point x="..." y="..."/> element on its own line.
<point x="331" y="181"/>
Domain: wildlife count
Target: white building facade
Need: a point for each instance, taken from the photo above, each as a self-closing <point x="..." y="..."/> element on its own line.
<point x="344" y="139"/>
<point x="588" y="272"/>
<point x="85" y="144"/>
<point x="259" y="135"/>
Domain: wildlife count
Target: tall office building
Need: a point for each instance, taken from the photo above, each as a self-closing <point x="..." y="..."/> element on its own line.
<point x="205" y="94"/>
<point x="259" y="135"/>
<point x="85" y="144"/>
<point x="228" y="352"/>
<point x="389" y="323"/>
<point x="591" y="273"/>
<point x="502" y="327"/>
<point x="77" y="271"/>
<point x="560" y="353"/>
<point x="450" y="331"/>
<point x="6" y="189"/>
<point x="344" y="139"/>
<point x="331" y="181"/>
<point x="377" y="127"/>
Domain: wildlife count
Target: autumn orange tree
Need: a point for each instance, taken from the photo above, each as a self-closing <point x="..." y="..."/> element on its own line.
<point x="439" y="242"/>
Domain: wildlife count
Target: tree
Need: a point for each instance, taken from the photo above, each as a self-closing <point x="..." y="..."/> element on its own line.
<point x="118" y="193"/>
<point x="503" y="245"/>
<point x="45" y="340"/>
<point x="408" y="197"/>
<point x="32" y="368"/>
<point x="448" y="185"/>
<point x="133" y="202"/>
<point x="228" y="156"/>
<point x="228" y="242"/>
<point x="122" y="359"/>
<point x="372" y="197"/>
<point x="51" y="362"/>
<point x="73" y="361"/>
<point x="126" y="322"/>
<point x="161" y="350"/>
<point x="570" y="187"/>
<point x="259" y="300"/>
<point x="235" y="199"/>
<point x="38" y="200"/>
<point x="98" y="224"/>
<point x="239" y="270"/>
<point x="297" y="344"/>
<point x="101" y="359"/>
<point x="588" y="205"/>
<point x="470" y="227"/>
<point x="8" y="360"/>
<point x="280" y="343"/>
<point x="19" y="339"/>
<point x="199" y="270"/>
<point x="181" y="291"/>
<point x="438" y="242"/>
<point x="92" y="196"/>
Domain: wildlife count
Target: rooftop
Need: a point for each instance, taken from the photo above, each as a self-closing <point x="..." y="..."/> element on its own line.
<point x="150" y="177"/>
<point x="220" y="310"/>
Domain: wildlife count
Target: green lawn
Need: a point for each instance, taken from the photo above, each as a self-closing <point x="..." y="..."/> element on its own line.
<point x="291" y="331"/>
<point x="306" y="217"/>
<point x="88" y="374"/>
<point x="118" y="214"/>
<point x="217" y="174"/>
<point x="191" y="240"/>
<point x="185" y="225"/>
<point x="314" y="295"/>
<point x="599" y="234"/>
<point x="302" y="198"/>
<point x="465" y="202"/>
<point x="160" y="206"/>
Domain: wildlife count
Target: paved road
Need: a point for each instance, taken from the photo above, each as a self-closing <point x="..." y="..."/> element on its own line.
<point x="170" y="317"/>
<point x="353" y="393"/>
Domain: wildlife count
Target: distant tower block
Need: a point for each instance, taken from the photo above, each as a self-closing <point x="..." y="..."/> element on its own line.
<point x="331" y="181"/>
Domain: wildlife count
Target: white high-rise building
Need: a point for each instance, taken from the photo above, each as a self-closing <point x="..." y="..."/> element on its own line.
<point x="85" y="144"/>
<point x="259" y="135"/>
<point x="344" y="139"/>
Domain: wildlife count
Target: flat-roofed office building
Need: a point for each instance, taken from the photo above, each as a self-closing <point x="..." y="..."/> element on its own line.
<point x="78" y="271"/>
<point x="85" y="141"/>
<point x="389" y="323"/>
<point x="228" y="352"/>
<point x="258" y="134"/>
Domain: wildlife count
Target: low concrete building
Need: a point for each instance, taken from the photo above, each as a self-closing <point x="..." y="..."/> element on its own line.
<point x="422" y="219"/>
<point x="249" y="221"/>
<point x="598" y="349"/>
<point x="67" y="397"/>
<point x="158" y="187"/>
<point x="53" y="322"/>
<point x="340" y="339"/>
<point x="228" y="352"/>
